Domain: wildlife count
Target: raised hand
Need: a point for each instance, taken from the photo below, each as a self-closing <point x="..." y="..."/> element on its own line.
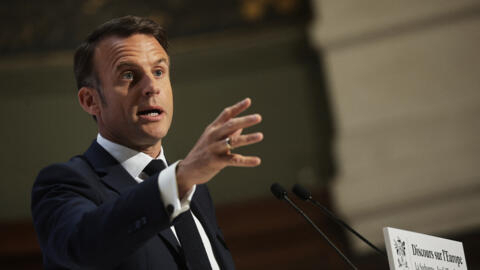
<point x="213" y="150"/>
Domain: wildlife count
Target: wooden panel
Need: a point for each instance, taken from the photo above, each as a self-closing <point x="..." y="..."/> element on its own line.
<point x="268" y="234"/>
<point x="19" y="248"/>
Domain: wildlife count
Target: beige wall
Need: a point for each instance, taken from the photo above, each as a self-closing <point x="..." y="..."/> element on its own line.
<point x="405" y="88"/>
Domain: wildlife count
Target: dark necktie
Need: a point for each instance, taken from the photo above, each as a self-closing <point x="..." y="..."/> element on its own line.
<point x="155" y="166"/>
<point x="186" y="229"/>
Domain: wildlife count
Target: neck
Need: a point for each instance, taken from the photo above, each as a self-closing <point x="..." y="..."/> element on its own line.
<point x="152" y="148"/>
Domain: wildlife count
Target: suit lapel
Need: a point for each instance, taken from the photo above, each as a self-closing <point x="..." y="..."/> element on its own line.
<point x="110" y="171"/>
<point x="117" y="178"/>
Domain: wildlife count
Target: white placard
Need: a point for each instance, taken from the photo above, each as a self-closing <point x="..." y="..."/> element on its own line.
<point x="417" y="251"/>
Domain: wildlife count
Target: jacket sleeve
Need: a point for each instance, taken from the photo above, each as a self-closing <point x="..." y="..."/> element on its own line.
<point x="78" y="228"/>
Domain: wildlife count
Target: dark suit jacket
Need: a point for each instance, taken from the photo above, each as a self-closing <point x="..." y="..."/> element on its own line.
<point x="89" y="213"/>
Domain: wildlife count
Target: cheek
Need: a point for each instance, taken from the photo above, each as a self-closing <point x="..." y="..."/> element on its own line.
<point x="116" y="111"/>
<point x="168" y="96"/>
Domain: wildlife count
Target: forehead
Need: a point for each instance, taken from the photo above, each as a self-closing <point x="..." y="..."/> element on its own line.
<point x="114" y="50"/>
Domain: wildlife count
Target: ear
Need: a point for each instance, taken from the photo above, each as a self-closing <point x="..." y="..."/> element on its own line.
<point x="89" y="99"/>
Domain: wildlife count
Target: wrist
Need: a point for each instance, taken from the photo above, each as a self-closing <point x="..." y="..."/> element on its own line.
<point x="183" y="186"/>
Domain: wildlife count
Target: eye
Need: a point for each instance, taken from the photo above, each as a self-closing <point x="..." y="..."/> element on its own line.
<point x="128" y="75"/>
<point x="158" y="73"/>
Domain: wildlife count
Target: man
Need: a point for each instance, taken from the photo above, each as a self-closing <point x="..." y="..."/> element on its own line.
<point x="114" y="207"/>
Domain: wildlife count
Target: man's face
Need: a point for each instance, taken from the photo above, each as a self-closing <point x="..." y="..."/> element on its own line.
<point x="135" y="82"/>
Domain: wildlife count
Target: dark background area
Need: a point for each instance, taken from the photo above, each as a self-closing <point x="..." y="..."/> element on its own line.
<point x="222" y="51"/>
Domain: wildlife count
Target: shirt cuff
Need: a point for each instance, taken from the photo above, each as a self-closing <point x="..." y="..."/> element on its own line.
<point x="167" y="183"/>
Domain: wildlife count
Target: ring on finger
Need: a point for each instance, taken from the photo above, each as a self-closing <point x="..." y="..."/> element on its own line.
<point x="228" y="142"/>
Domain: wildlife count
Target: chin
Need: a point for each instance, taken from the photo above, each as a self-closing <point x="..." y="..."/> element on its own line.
<point x="154" y="136"/>
<point x="153" y="132"/>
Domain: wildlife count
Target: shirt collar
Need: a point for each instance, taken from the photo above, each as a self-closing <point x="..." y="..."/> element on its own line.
<point x="131" y="160"/>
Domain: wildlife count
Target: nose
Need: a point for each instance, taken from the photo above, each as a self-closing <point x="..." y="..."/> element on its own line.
<point x="150" y="85"/>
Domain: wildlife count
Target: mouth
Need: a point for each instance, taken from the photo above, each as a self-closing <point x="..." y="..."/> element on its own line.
<point x="151" y="114"/>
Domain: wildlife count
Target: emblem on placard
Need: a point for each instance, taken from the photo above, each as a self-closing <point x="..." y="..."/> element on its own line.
<point x="400" y="249"/>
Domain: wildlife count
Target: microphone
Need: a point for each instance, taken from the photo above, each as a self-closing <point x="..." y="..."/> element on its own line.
<point x="305" y="195"/>
<point x="281" y="194"/>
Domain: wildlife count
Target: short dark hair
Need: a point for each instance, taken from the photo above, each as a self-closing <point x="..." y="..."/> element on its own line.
<point x="83" y="66"/>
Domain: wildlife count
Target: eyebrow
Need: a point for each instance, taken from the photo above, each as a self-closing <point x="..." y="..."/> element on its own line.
<point x="129" y="64"/>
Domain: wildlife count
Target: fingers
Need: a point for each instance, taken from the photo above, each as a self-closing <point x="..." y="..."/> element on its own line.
<point x="233" y="125"/>
<point x="242" y="140"/>
<point x="233" y="111"/>
<point x="237" y="160"/>
<point x="213" y="150"/>
<point x="237" y="133"/>
<point x="222" y="148"/>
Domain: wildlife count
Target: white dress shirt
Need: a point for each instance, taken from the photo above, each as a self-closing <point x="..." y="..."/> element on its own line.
<point x="134" y="162"/>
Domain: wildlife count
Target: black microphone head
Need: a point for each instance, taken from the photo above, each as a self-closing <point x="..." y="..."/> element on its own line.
<point x="278" y="191"/>
<point x="301" y="192"/>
